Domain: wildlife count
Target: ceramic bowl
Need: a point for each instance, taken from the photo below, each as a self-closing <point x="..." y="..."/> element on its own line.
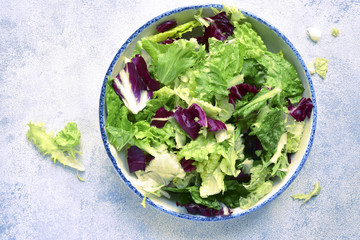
<point x="275" y="41"/>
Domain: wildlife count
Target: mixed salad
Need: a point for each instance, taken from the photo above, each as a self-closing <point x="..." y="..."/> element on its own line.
<point x="209" y="120"/>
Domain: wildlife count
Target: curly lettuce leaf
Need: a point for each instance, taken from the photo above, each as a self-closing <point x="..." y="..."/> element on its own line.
<point x="69" y="138"/>
<point x="180" y="56"/>
<point x="306" y="197"/>
<point x="46" y="144"/>
<point x="213" y="76"/>
<point x="164" y="97"/>
<point x="153" y="140"/>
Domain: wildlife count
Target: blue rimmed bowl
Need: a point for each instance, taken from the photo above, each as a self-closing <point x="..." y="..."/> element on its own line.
<point x="275" y="41"/>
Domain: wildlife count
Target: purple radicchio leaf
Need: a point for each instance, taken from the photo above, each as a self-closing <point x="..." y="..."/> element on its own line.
<point x="215" y="125"/>
<point x="134" y="84"/>
<point x="168" y="41"/>
<point x="187" y="165"/>
<point x="243" y="177"/>
<point x="195" y="209"/>
<point x="166" y="26"/>
<point x="151" y="84"/>
<point x="238" y="92"/>
<point x="252" y="144"/>
<point x="219" y="27"/>
<point x="161" y="117"/>
<point x="136" y="159"/>
<point x="191" y="119"/>
<point x="302" y="110"/>
<point x="289" y="157"/>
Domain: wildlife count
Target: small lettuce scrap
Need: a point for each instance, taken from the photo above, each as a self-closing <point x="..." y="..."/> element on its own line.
<point x="321" y="66"/>
<point x="335" y="32"/>
<point x="306" y="197"/>
<point x="61" y="148"/>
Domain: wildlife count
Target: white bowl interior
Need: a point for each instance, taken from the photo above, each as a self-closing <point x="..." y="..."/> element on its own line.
<point x="275" y="42"/>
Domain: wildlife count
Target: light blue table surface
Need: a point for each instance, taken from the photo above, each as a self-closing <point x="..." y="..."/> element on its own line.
<point x="53" y="58"/>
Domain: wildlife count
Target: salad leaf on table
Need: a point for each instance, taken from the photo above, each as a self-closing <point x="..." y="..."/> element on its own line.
<point x="62" y="148"/>
<point x="306" y="197"/>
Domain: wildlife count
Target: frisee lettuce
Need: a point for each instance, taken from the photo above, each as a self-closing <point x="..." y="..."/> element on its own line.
<point x="62" y="148"/>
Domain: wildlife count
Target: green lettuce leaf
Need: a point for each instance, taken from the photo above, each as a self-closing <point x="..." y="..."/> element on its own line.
<point x="258" y="175"/>
<point x="180" y="56"/>
<point x="259" y="101"/>
<point x="227" y="56"/>
<point x="153" y="140"/>
<point x="321" y="66"/>
<point x="199" y="149"/>
<point x="254" y="73"/>
<point x="160" y="172"/>
<point x="248" y="37"/>
<point x="270" y="129"/>
<point x="69" y="138"/>
<point x="210" y="202"/>
<point x="253" y="197"/>
<point x="281" y="74"/>
<point x="233" y="191"/>
<point x="118" y="128"/>
<point x="164" y="97"/>
<point x="47" y="145"/>
<point x="294" y="131"/>
<point x="306" y="197"/>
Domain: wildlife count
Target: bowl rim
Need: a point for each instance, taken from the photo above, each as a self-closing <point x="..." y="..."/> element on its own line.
<point x="190" y="216"/>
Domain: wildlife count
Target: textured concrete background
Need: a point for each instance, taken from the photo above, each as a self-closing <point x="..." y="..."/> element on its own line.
<point x="53" y="58"/>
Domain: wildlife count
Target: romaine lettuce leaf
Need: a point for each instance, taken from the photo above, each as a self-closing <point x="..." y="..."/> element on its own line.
<point x="259" y="101"/>
<point x="210" y="202"/>
<point x="281" y="74"/>
<point x="253" y="197"/>
<point x="246" y="35"/>
<point x="270" y="129"/>
<point x="153" y="140"/>
<point x="294" y="131"/>
<point x="212" y="77"/>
